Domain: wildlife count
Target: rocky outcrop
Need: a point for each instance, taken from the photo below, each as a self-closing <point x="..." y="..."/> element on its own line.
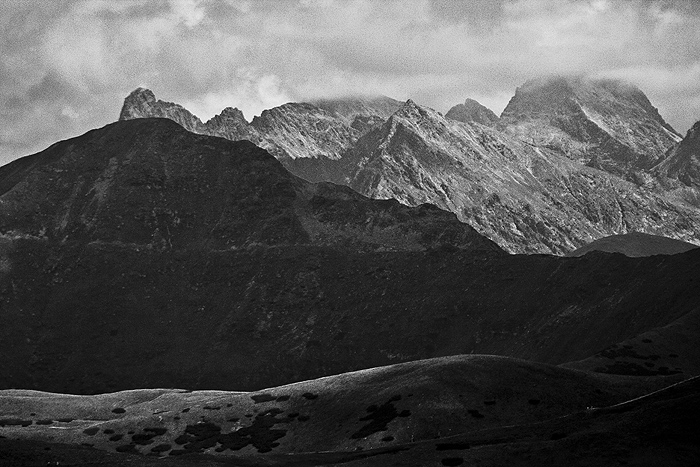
<point x="606" y="124"/>
<point x="322" y="130"/>
<point x="229" y="124"/>
<point x="142" y="103"/>
<point x="472" y="111"/>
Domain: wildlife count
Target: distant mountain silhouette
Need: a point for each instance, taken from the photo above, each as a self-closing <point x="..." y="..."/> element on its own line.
<point x="680" y="170"/>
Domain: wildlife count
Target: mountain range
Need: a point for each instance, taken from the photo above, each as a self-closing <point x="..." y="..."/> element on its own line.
<point x="144" y="255"/>
<point x="569" y="161"/>
<point x="309" y="324"/>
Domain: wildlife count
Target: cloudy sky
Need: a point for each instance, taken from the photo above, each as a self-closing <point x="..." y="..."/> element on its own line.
<point x="66" y="65"/>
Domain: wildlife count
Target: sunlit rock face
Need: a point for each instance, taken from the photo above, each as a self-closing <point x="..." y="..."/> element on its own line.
<point x="607" y="124"/>
<point x="683" y="161"/>
<point x="142" y="103"/>
<point x="526" y="198"/>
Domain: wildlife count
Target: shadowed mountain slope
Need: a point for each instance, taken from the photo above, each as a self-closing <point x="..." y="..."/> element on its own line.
<point x="683" y="161"/>
<point x="104" y="317"/>
<point x="635" y="244"/>
<point x="668" y="350"/>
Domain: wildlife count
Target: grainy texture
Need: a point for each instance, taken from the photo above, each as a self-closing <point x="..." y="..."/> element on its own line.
<point x="162" y="258"/>
<point x="570" y="161"/>
<point x="472" y="111"/>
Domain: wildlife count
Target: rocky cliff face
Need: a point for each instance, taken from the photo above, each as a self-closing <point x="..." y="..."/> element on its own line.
<point x="143" y="255"/>
<point x="293" y="131"/>
<point x="142" y="103"/>
<point x="605" y="124"/>
<point x="568" y="163"/>
<point x="472" y="111"/>
<point x="350" y="108"/>
<point x="527" y="199"/>
<point x="683" y="160"/>
<point x="324" y="129"/>
<point x="229" y="124"/>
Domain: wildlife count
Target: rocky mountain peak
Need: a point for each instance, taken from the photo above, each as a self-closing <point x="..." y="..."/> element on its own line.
<point x="562" y="96"/>
<point x="142" y="94"/>
<point x="230" y="124"/>
<point x="232" y="113"/>
<point x="140" y="100"/>
<point x="608" y="124"/>
<point x="410" y="110"/>
<point x="415" y="122"/>
<point x="142" y="103"/>
<point x="507" y="190"/>
<point x="472" y="111"/>
<point x="289" y="109"/>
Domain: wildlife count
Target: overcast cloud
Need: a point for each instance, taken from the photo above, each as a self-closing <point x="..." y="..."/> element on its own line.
<point x="66" y="66"/>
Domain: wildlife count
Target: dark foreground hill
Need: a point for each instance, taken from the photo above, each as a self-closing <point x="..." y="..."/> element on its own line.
<point x="142" y="255"/>
<point x="636" y="244"/>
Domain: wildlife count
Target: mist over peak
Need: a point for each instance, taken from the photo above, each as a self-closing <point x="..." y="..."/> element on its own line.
<point x="67" y="65"/>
